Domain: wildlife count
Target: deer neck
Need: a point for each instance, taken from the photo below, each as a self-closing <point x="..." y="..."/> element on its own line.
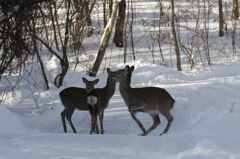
<point x="110" y="87"/>
<point x="124" y="86"/>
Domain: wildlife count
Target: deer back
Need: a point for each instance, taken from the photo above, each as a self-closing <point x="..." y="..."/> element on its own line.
<point x="74" y="97"/>
<point x="153" y="99"/>
<point x="146" y="99"/>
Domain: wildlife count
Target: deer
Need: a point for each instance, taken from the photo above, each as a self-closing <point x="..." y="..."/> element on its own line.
<point x="151" y="100"/>
<point x="98" y="100"/>
<point x="75" y="98"/>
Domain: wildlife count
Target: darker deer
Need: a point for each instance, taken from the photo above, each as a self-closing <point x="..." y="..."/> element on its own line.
<point x="75" y="98"/>
<point x="151" y="100"/>
<point x="98" y="100"/>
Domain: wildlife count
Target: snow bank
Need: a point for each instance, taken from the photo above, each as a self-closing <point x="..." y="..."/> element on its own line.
<point x="206" y="119"/>
<point x="10" y="122"/>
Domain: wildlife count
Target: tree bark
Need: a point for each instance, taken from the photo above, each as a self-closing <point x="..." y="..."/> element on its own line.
<point x="88" y="17"/>
<point x="175" y="37"/>
<point x="38" y="55"/>
<point x="58" y="81"/>
<point x="235" y="14"/>
<point x="110" y="3"/>
<point x="221" y="33"/>
<point x="118" y="37"/>
<point x="104" y="42"/>
<point x="104" y="13"/>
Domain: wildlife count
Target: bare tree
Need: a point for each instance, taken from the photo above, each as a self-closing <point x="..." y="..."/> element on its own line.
<point x="158" y="37"/>
<point x="235" y="13"/>
<point x="14" y="40"/>
<point x="234" y="23"/>
<point x="64" y="43"/>
<point x="110" y="4"/>
<point x="104" y="42"/>
<point x="221" y="33"/>
<point x="82" y="20"/>
<point x="88" y="17"/>
<point x="207" y="8"/>
<point x="104" y="14"/>
<point x="36" y="50"/>
<point x="64" y="39"/>
<point x="235" y="16"/>
<point x="175" y="37"/>
<point x="131" y="29"/>
<point x="119" y="29"/>
<point x="62" y="31"/>
<point x="126" y="35"/>
<point x="191" y="49"/>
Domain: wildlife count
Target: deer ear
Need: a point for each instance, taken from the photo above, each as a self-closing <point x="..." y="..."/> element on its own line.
<point x="96" y="81"/>
<point x="127" y="68"/>
<point x="132" y="68"/>
<point x="84" y="80"/>
<point x="108" y="70"/>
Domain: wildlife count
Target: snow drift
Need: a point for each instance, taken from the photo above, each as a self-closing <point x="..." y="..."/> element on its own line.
<point x="206" y="119"/>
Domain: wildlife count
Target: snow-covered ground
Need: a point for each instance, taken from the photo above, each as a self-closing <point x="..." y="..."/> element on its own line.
<point x="206" y="119"/>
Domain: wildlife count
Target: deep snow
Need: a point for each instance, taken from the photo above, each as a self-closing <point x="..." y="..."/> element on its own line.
<point x="206" y="119"/>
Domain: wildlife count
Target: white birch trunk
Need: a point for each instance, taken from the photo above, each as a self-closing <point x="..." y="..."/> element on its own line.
<point x="105" y="40"/>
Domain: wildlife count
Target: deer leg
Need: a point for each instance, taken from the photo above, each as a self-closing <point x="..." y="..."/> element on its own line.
<point x="92" y="125"/>
<point x="96" y="123"/>
<point x="102" y="118"/>
<point x="101" y="121"/>
<point x="63" y="115"/>
<point x="170" y="119"/>
<point x="69" y="116"/>
<point x="92" y="112"/>
<point x="136" y="120"/>
<point x="156" y="122"/>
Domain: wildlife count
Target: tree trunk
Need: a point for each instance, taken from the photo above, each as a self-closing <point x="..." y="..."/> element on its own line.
<point x="104" y="13"/>
<point x="110" y="3"/>
<point x="175" y="37"/>
<point x="76" y="34"/>
<point x="235" y="14"/>
<point x="221" y="33"/>
<point x="104" y="42"/>
<point x="118" y="37"/>
<point x="53" y="25"/>
<point x="126" y="36"/>
<point x="58" y="81"/>
<point x="88" y="17"/>
<point x="233" y="38"/>
<point x="43" y="70"/>
<point x="38" y="55"/>
<point x="131" y="30"/>
<point x="206" y="15"/>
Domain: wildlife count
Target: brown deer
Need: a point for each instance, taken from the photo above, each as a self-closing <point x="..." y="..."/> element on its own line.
<point x="75" y="98"/>
<point x="98" y="100"/>
<point x="151" y="100"/>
